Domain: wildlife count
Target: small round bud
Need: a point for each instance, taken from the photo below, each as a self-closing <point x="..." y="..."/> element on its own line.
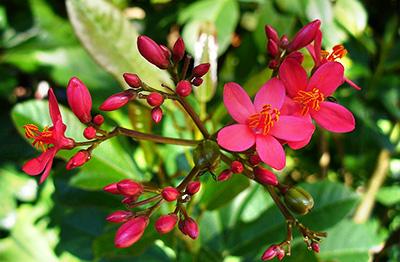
<point x="184" y="88"/>
<point x="170" y="193"/>
<point x="315" y="247"/>
<point x="197" y="81"/>
<point x="225" y="175"/>
<point x="98" y="120"/>
<point x="78" y="159"/>
<point x="193" y="187"/>
<point x="132" y="80"/>
<point x="237" y="167"/>
<point x="155" y="99"/>
<point x="201" y="70"/>
<point x="119" y="216"/>
<point x="273" y="64"/>
<point x="255" y="160"/>
<point x="166" y="223"/>
<point x="189" y="227"/>
<point x="284" y="42"/>
<point x="298" y="200"/>
<point x="89" y="132"/>
<point x="156" y="114"/>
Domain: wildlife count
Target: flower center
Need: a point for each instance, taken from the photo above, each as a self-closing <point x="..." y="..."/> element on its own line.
<point x="338" y="51"/>
<point x="262" y="122"/>
<point x="40" y="138"/>
<point x="309" y="99"/>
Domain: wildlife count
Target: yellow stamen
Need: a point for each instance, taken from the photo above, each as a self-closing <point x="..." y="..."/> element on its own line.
<point x="263" y="122"/>
<point x="309" y="99"/>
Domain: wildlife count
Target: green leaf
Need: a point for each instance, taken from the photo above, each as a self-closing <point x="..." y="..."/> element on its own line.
<point x="351" y="15"/>
<point x="223" y="14"/>
<point x="111" y="39"/>
<point x="110" y="162"/>
<point x="389" y="195"/>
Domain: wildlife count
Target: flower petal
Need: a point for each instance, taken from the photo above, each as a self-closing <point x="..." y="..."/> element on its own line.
<point x="48" y="168"/>
<point x="295" y="145"/>
<point x="53" y="107"/>
<point x="238" y="102"/>
<point x="271" y="151"/>
<point x="334" y="117"/>
<point x="352" y="84"/>
<point x="272" y="93"/>
<point x="291" y="107"/>
<point x="291" y="128"/>
<point x="293" y="76"/>
<point x="236" y="137"/>
<point x="327" y="78"/>
<point x="36" y="165"/>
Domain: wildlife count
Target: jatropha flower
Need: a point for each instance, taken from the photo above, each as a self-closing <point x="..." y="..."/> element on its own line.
<point x="307" y="98"/>
<point x="322" y="56"/>
<point x="261" y="123"/>
<point x="50" y="140"/>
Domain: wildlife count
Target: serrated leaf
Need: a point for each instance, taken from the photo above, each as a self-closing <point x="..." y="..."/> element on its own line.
<point x="111" y="39"/>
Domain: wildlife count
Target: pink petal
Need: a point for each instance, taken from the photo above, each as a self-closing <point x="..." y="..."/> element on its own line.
<point x="48" y="168"/>
<point x="334" y="117"/>
<point x="36" y="165"/>
<point x="238" y="102"/>
<point x="291" y="128"/>
<point x="299" y="144"/>
<point x="290" y="107"/>
<point x="271" y="151"/>
<point x="327" y="78"/>
<point x="317" y="47"/>
<point x="352" y="84"/>
<point x="53" y="107"/>
<point x="272" y="93"/>
<point x="236" y="137"/>
<point x="293" y="76"/>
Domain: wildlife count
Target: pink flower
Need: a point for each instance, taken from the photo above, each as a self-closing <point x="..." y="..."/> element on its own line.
<point x="53" y="135"/>
<point x="307" y="98"/>
<point x="261" y="123"/>
<point x="321" y="56"/>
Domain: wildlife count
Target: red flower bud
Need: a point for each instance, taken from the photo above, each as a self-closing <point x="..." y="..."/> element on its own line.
<point x="273" y="64"/>
<point x="156" y="114"/>
<point x="280" y="253"/>
<point x="89" y="132"/>
<point x="284" y="42"/>
<point x="265" y="177"/>
<point x="155" y="99"/>
<point x="189" y="227"/>
<point x="254" y="160"/>
<point x="270" y="253"/>
<point x="129" y="187"/>
<point x="201" y="70"/>
<point x="178" y="51"/>
<point x="119" y="216"/>
<point x="78" y="159"/>
<point x="304" y="36"/>
<point x="237" y="167"/>
<point x="197" y="81"/>
<point x="98" y="120"/>
<point x="117" y="100"/>
<point x="193" y="187"/>
<point x="184" y="88"/>
<point x="166" y="51"/>
<point x="271" y="33"/>
<point x="79" y="99"/>
<point x="166" y="223"/>
<point x="272" y="48"/>
<point x="131" y="231"/>
<point x="225" y="175"/>
<point x="112" y="188"/>
<point x="129" y="199"/>
<point x="170" y="193"/>
<point x="132" y="80"/>
<point x="152" y="52"/>
<point x="315" y="247"/>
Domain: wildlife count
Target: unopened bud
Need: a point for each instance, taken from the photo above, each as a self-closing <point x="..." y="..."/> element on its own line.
<point x="155" y="99"/>
<point x="89" y="132"/>
<point x="197" y="81"/>
<point x="270" y="253"/>
<point x="117" y="100"/>
<point x="271" y="33"/>
<point x="152" y="52"/>
<point x="119" y="216"/>
<point x="178" y="51"/>
<point x="315" y="247"/>
<point x="193" y="187"/>
<point x="166" y="51"/>
<point x="298" y="200"/>
<point x="225" y="175"/>
<point x="98" y="120"/>
<point x="166" y="223"/>
<point x="79" y="100"/>
<point x="264" y="176"/>
<point x="184" y="88"/>
<point x="272" y="48"/>
<point x="255" y="160"/>
<point x="129" y="187"/>
<point x="156" y="114"/>
<point x="237" y="167"/>
<point x="129" y="199"/>
<point x="132" y="80"/>
<point x="304" y="36"/>
<point x="189" y="227"/>
<point x="170" y="193"/>
<point x="131" y="231"/>
<point x="78" y="159"/>
<point x="112" y="188"/>
<point x="273" y="64"/>
<point x="201" y="70"/>
<point x="284" y="42"/>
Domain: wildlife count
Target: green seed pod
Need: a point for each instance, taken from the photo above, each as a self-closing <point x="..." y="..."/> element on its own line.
<point x="206" y="155"/>
<point x="298" y="200"/>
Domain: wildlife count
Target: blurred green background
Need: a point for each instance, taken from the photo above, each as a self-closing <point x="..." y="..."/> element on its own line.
<point x="354" y="178"/>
